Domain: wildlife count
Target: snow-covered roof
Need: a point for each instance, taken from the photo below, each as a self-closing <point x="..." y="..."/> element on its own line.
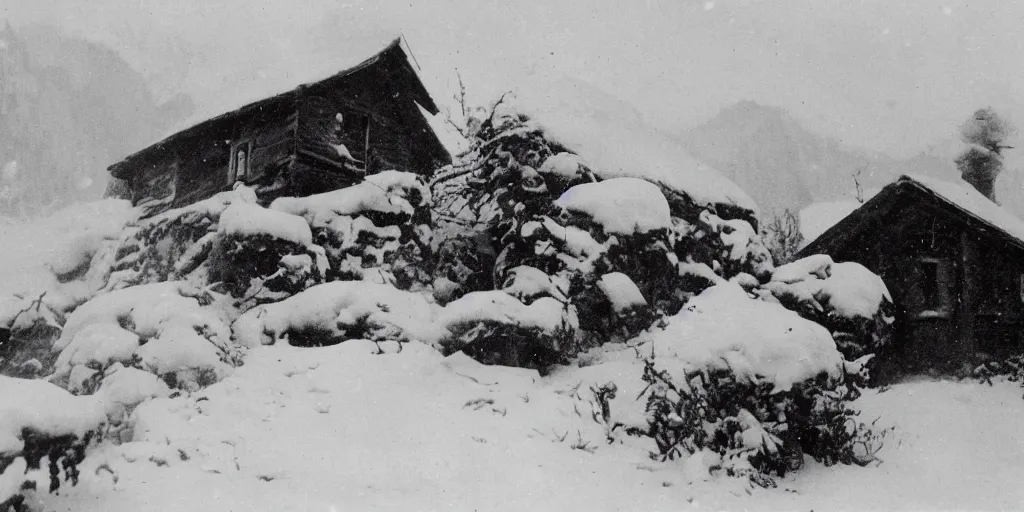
<point x="972" y="202"/>
<point x="961" y="198"/>
<point x="260" y="93"/>
<point x="284" y="79"/>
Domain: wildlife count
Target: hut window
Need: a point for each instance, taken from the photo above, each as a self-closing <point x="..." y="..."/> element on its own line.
<point x="934" y="284"/>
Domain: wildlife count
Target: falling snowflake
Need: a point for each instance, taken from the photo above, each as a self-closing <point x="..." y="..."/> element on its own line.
<point x="947" y="10"/>
<point x="710" y="4"/>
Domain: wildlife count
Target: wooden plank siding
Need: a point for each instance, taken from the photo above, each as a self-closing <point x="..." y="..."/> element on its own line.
<point x="956" y="282"/>
<point x="289" y="140"/>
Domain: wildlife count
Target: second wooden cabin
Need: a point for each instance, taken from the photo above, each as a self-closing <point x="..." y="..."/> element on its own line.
<point x="953" y="261"/>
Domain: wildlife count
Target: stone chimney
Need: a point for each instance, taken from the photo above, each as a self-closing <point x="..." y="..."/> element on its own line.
<point x="980" y="167"/>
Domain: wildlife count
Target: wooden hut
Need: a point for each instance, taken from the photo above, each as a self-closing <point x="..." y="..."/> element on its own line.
<point x="953" y="261"/>
<point x="318" y="137"/>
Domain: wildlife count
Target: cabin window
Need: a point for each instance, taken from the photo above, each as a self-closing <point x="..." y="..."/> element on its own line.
<point x="241" y="157"/>
<point x="934" y="285"/>
<point x="351" y="134"/>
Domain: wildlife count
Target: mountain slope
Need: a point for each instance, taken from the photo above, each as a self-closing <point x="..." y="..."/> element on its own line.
<point x="68" y="109"/>
<point x="785" y="166"/>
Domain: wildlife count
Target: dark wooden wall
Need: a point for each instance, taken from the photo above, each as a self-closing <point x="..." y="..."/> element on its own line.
<point x="289" y="140"/>
<point x="398" y="136"/>
<point x="956" y="287"/>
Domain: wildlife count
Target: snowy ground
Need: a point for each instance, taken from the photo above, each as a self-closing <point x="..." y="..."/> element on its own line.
<point x="343" y="428"/>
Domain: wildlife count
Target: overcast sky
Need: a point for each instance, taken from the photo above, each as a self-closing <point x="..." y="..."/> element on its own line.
<point x="889" y="75"/>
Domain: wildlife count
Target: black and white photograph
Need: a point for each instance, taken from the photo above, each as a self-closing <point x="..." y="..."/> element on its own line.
<point x="541" y="255"/>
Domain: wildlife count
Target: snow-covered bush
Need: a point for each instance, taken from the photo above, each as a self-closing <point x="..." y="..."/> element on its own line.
<point x="28" y="328"/>
<point x="496" y="328"/>
<point x="173" y="244"/>
<point x="169" y="329"/>
<point x="846" y="298"/>
<point x="744" y="384"/>
<point x="545" y="223"/>
<point x="782" y="236"/>
<point x="264" y="255"/>
<point x="333" y="312"/>
<point x="41" y="421"/>
<point x="377" y="230"/>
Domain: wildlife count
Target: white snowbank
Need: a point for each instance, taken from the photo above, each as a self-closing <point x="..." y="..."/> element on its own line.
<point x="621" y="291"/>
<point x="44" y="408"/>
<point x="723" y="328"/>
<point x="333" y="308"/>
<point x="249" y="220"/>
<point x="621" y="205"/>
<point x="387" y="192"/>
<point x="615" y="142"/>
<point x="179" y="350"/>
<point x="33" y="251"/>
<point x="125" y="387"/>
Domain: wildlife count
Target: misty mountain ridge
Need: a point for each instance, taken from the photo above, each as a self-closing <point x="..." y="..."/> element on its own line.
<point x="68" y="109"/>
<point x="782" y="165"/>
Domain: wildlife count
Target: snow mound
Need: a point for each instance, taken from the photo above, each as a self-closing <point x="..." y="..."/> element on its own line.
<point x="35" y="252"/>
<point x="143" y="309"/>
<point x="248" y="220"/>
<point x="723" y="328"/>
<point x="340" y="310"/>
<point x="615" y="142"/>
<point x="98" y="345"/>
<point x="497" y="306"/>
<point x="620" y="205"/>
<point x="385" y="192"/>
<point x="43" y="408"/>
<point x="849" y="289"/>
<point x="621" y="291"/>
<point x="125" y="387"/>
<point x="817" y="265"/>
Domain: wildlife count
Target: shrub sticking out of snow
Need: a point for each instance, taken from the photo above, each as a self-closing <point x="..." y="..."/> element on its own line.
<point x="496" y="328"/>
<point x="37" y="420"/>
<point x="332" y="312"/>
<point x="620" y="205"/>
<point x="244" y="220"/>
<point x="846" y="298"/>
<point x="724" y="329"/>
<point x="377" y="230"/>
<point x="173" y="244"/>
<point x="185" y="343"/>
<point x="97" y="345"/>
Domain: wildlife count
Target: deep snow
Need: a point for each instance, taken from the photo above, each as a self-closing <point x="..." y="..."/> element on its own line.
<point x="346" y="428"/>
